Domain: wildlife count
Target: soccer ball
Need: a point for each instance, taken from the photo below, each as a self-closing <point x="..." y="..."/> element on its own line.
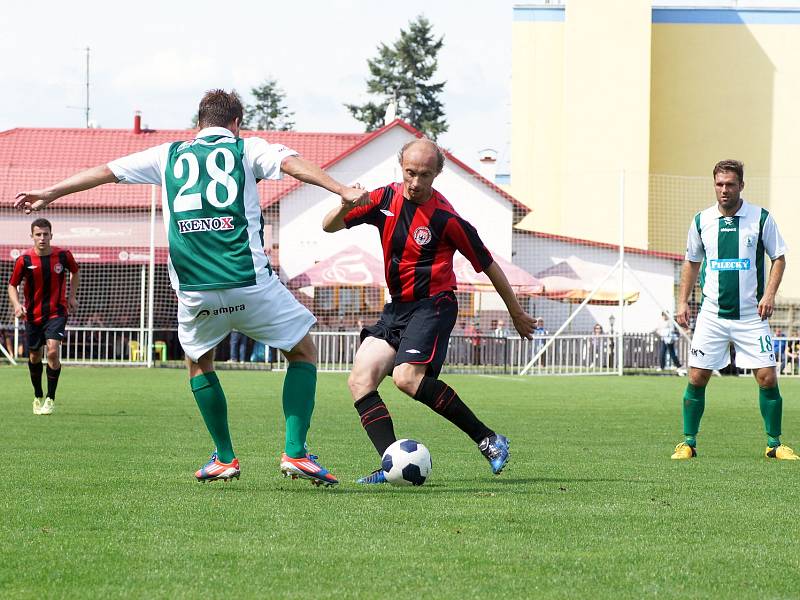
<point x="406" y="462"/>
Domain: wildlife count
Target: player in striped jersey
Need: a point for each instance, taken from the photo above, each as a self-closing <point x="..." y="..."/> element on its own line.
<point x="44" y="269"/>
<point x="420" y="231"/>
<point x="726" y="247"/>
<point x="217" y="265"/>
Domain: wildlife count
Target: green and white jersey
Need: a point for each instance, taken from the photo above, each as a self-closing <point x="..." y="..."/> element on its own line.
<point x="732" y="249"/>
<point x="212" y="214"/>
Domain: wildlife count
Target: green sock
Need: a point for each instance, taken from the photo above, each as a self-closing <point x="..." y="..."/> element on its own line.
<point x="299" y="388"/>
<point x="211" y="400"/>
<point x="771" y="405"/>
<point x="694" y="403"/>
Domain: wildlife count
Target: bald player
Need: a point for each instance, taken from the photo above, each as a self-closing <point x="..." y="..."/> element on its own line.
<point x="420" y="231"/>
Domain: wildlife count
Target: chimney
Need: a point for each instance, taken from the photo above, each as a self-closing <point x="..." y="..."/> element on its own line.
<point x="488" y="166"/>
<point x="137" y="122"/>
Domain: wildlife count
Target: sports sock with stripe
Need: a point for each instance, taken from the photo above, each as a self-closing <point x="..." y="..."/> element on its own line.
<point x="299" y="388"/>
<point x="213" y="407"/>
<point x="35" y="370"/>
<point x="442" y="399"/>
<point x="694" y="403"/>
<point x="376" y="420"/>
<point x="771" y="405"/>
<point x="52" y="381"/>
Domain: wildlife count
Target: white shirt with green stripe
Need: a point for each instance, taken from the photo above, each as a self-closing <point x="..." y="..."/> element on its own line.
<point x="734" y="273"/>
<point x="211" y="209"/>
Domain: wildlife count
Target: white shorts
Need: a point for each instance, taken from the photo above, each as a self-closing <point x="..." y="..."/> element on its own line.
<point x="751" y="338"/>
<point x="266" y="312"/>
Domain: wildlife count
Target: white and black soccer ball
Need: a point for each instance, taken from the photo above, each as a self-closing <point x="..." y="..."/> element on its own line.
<point x="406" y="462"/>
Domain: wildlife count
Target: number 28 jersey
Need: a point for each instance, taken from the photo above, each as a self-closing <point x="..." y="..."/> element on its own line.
<point x="210" y="205"/>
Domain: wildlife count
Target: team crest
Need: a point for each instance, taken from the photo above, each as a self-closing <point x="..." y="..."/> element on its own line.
<point x="749" y="240"/>
<point x="58" y="267"/>
<point x="422" y="235"/>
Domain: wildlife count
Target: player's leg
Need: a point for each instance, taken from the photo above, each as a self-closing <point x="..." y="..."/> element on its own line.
<point x="752" y="339"/>
<point x="373" y="362"/>
<point x="35" y="340"/>
<point x="420" y="356"/>
<point x="709" y="351"/>
<point x="274" y="317"/>
<point x="199" y="332"/>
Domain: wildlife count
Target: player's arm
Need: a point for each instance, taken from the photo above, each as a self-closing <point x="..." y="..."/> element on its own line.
<point x="35" y="200"/>
<point x="74" y="283"/>
<point x="767" y="304"/>
<point x="334" y="220"/>
<point x="308" y="172"/>
<point x="689" y="272"/>
<point x="523" y="322"/>
<point x="13" y="295"/>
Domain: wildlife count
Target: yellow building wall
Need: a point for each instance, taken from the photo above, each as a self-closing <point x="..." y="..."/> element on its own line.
<point x="537" y="103"/>
<point x="580" y="114"/>
<point x="724" y="91"/>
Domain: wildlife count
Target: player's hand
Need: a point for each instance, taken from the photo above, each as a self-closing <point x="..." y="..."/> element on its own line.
<point x="32" y="201"/>
<point x="682" y="315"/>
<point x="524" y="324"/>
<point x="72" y="304"/>
<point x="766" y="307"/>
<point x="20" y="312"/>
<point x="355" y="195"/>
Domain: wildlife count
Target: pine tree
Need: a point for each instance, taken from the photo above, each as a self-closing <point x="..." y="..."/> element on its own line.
<point x="269" y="111"/>
<point x="402" y="73"/>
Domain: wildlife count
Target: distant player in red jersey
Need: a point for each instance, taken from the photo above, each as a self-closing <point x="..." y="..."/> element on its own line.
<point x="420" y="231"/>
<point x="44" y="270"/>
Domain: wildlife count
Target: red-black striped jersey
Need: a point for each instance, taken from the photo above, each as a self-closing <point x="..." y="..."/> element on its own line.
<point x="419" y="241"/>
<point x="45" y="282"/>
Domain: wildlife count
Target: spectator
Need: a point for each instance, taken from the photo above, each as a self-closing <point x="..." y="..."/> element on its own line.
<point x="500" y="331"/>
<point x="540" y="332"/>
<point x="779" y="348"/>
<point x="597" y="349"/>
<point x="668" y="333"/>
<point x="238" y="346"/>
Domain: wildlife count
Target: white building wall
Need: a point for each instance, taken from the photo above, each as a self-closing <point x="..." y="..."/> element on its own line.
<point x="657" y="275"/>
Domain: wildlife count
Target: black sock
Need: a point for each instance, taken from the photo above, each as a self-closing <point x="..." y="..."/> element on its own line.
<point x="52" y="381"/>
<point x="377" y="421"/>
<point x="35" y="370"/>
<point x="443" y="399"/>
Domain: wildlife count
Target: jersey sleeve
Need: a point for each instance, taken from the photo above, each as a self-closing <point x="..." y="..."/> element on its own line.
<point x="266" y="158"/>
<point x="695" y="251"/>
<point x="17" y="273"/>
<point x="140" y="167"/>
<point x="773" y="241"/>
<point x="72" y="264"/>
<point x="464" y="237"/>
<point x="378" y="199"/>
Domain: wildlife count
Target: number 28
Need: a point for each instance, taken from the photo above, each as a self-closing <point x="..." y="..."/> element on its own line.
<point x="184" y="201"/>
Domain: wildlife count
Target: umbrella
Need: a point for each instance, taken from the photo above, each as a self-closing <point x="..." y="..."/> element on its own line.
<point x="572" y="280"/>
<point x="522" y="282"/>
<point x="350" y="267"/>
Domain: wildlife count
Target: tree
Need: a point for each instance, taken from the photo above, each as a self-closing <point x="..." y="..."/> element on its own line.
<point x="269" y="110"/>
<point x="402" y="73"/>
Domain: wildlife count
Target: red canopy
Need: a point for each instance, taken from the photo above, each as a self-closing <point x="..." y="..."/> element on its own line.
<point x="521" y="281"/>
<point x="351" y="267"/>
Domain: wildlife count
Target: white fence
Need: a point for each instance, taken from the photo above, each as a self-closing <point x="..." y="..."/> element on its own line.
<point x="567" y="355"/>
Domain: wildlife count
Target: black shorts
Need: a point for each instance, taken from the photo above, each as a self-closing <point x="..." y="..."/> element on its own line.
<point x="52" y="329"/>
<point x="419" y="331"/>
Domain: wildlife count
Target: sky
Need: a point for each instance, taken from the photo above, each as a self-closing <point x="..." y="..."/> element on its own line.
<point x="159" y="58"/>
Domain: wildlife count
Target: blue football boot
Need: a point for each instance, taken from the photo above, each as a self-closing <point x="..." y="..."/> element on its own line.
<point x="495" y="449"/>
<point x="377" y="476"/>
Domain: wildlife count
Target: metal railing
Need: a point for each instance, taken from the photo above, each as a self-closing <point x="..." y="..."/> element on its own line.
<point x="572" y="354"/>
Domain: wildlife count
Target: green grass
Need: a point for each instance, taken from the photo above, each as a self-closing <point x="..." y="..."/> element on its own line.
<point x="98" y="501"/>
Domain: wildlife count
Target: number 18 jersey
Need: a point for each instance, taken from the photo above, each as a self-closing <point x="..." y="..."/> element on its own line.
<point x="210" y="205"/>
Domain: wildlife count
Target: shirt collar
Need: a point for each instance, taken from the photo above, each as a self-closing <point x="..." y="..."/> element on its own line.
<point x="742" y="212"/>
<point x="208" y="131"/>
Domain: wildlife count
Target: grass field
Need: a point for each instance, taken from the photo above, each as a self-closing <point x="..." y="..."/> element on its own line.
<point x="98" y="501"/>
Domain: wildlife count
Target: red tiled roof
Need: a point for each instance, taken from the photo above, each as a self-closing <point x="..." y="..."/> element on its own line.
<point x="33" y="158"/>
